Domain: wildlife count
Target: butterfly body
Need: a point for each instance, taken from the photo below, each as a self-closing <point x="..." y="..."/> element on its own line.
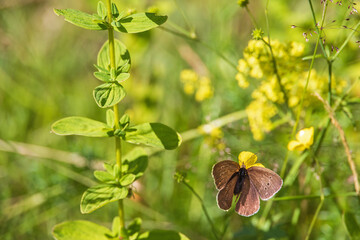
<point x="241" y="175"/>
<point x="246" y="184"/>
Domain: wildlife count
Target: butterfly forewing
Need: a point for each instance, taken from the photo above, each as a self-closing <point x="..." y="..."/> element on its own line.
<point x="266" y="182"/>
<point x="222" y="172"/>
<point x="249" y="202"/>
<point x="225" y="195"/>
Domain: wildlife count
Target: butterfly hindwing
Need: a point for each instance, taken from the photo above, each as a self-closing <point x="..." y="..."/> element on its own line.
<point x="266" y="182"/>
<point x="222" y="172"/>
<point x="225" y="195"/>
<point x="249" y="202"/>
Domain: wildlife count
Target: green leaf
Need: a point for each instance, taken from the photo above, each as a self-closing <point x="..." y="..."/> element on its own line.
<point x="114" y="10"/>
<point x="81" y="230"/>
<point x="134" y="228"/>
<point x="81" y="126"/>
<point x="102" y="76"/>
<point x="100" y="195"/>
<point x="135" y="162"/>
<point x="82" y="19"/>
<point x="124" y="121"/>
<point x="104" y="176"/>
<point x="139" y="22"/>
<point x="311" y="57"/>
<point x="101" y="9"/>
<point x="101" y="69"/>
<point x="109" y="168"/>
<point x="108" y="94"/>
<point x="153" y="134"/>
<point x="352" y="225"/>
<point x="115" y="226"/>
<point x="124" y="68"/>
<point x="122" y="77"/>
<point x="110" y="118"/>
<point x="163" y="235"/>
<point x="122" y="56"/>
<point x="127" y="179"/>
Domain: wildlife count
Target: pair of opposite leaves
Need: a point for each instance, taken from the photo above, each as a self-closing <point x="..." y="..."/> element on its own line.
<point x="247" y="181"/>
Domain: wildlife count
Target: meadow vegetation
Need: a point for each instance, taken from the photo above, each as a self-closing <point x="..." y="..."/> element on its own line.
<point x="276" y="78"/>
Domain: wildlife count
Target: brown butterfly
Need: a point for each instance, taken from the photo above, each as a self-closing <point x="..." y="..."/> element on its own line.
<point x="247" y="181"/>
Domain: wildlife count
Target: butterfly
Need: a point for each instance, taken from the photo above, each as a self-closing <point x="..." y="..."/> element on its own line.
<point x="247" y="181"/>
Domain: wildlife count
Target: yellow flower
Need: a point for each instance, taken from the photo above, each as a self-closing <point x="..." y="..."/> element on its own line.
<point x="296" y="49"/>
<point x="204" y="90"/>
<point x="304" y="139"/>
<point x="242" y="82"/>
<point x="243" y="67"/>
<point x="190" y="79"/>
<point x="248" y="159"/>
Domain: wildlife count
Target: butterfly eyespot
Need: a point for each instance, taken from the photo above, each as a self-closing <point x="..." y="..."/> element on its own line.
<point x="268" y="184"/>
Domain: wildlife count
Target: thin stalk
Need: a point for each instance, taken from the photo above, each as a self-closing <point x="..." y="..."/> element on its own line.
<point x="283" y="169"/>
<point x="312" y="61"/>
<point x="320" y="204"/>
<point x="204" y="209"/>
<point x="346" y="41"/>
<point x="264" y="214"/>
<point x="252" y="18"/>
<point x="329" y="82"/>
<point x="116" y="109"/>
<point x="304" y="197"/>
<point x="319" y="31"/>
<point x="192" y="37"/>
<point x="278" y="78"/>
<point x="186" y="19"/>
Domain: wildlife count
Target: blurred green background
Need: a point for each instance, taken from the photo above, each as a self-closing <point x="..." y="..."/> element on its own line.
<point x="46" y="67"/>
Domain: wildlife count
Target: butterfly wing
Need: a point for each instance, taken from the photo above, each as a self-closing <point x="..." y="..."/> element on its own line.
<point x="249" y="202"/>
<point x="225" y="195"/>
<point x="222" y="172"/>
<point x="266" y="182"/>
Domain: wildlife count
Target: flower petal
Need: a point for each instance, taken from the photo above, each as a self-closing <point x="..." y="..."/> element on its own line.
<point x="258" y="165"/>
<point x="247" y="158"/>
<point x="295" y="145"/>
<point x="306" y="136"/>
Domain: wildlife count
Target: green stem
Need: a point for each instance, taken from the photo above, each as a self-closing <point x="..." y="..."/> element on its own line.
<point x="192" y="37"/>
<point x="283" y="168"/>
<point x="346" y="41"/>
<point x="278" y="78"/>
<point x="276" y="71"/>
<point x="304" y="197"/>
<point x="307" y="82"/>
<point x="252" y="18"/>
<point x="321" y="201"/>
<point x="319" y="31"/>
<point x="204" y="209"/>
<point x="329" y="82"/>
<point x="116" y="109"/>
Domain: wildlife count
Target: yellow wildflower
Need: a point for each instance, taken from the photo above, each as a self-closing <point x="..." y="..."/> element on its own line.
<point x="304" y="139"/>
<point x="204" y="90"/>
<point x="259" y="116"/>
<point x="243" y="66"/>
<point x="189" y="78"/>
<point x="194" y="84"/>
<point x="292" y="72"/>
<point x="248" y="159"/>
<point x="242" y="82"/>
<point x="296" y="49"/>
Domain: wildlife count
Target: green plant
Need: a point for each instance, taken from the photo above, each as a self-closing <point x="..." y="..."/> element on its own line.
<point x="113" y="66"/>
